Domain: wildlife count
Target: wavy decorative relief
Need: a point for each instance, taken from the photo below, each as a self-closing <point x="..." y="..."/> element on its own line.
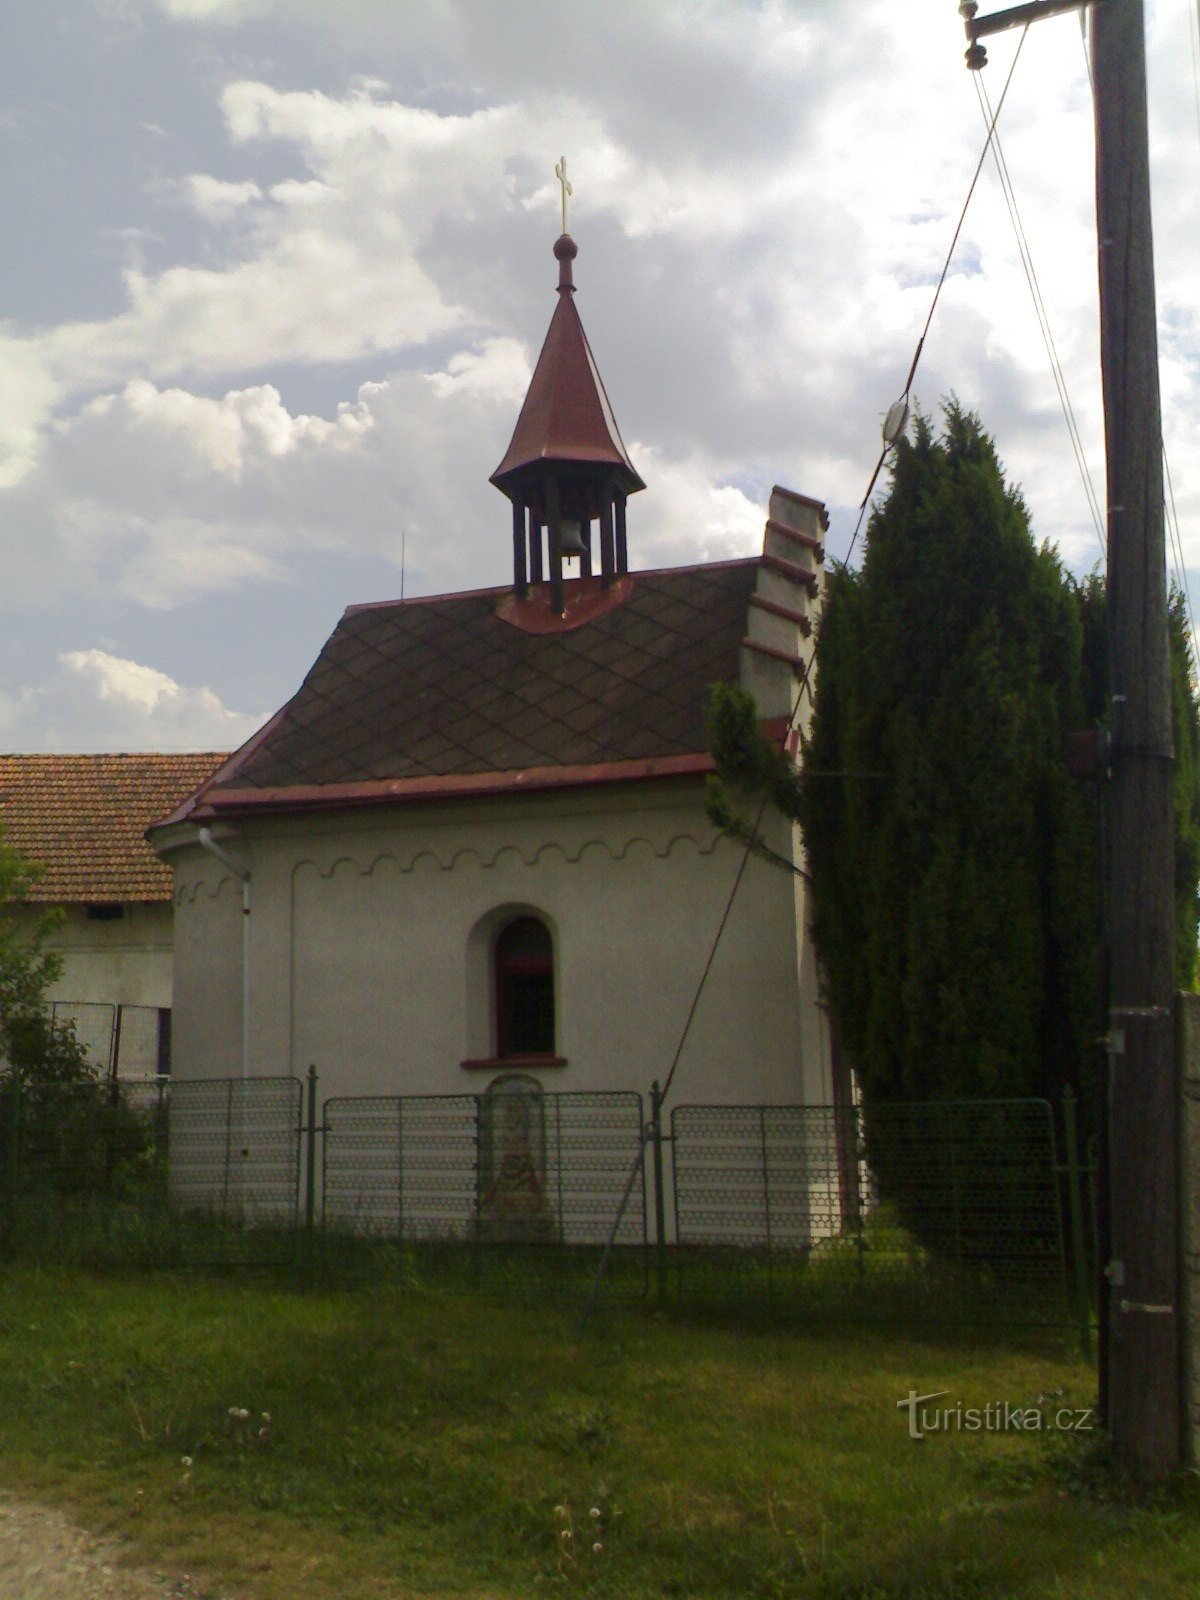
<point x="425" y="859"/>
<point x="186" y="894"/>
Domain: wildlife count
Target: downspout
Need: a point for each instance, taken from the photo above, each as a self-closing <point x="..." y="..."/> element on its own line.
<point x="207" y="842"/>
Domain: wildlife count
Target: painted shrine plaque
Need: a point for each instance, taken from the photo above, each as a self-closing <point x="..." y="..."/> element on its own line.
<point x="513" y="1207"/>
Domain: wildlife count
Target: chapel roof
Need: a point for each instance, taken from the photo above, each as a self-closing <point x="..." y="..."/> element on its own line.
<point x="451" y="694"/>
<point x="83" y="818"/>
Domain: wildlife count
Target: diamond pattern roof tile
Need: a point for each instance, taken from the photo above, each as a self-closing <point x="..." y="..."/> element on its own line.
<point x="445" y="687"/>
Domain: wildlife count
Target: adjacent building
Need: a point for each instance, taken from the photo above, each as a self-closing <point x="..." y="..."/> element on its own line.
<point x="82" y="819"/>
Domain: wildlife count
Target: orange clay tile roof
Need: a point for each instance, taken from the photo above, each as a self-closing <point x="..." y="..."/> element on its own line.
<point x="83" y="818"/>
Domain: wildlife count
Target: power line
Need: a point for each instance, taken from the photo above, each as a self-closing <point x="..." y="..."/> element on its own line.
<point x="1039" y="305"/>
<point x="747" y="850"/>
<point x="806" y="682"/>
<point x="1026" y="255"/>
<point x="804" y="689"/>
<point x="962" y="217"/>
<point x="1172" y="519"/>
<point x="1170" y="512"/>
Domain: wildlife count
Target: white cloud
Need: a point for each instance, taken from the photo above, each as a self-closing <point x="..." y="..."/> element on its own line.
<point x="764" y="197"/>
<point x="784" y="217"/>
<point x="228" y="11"/>
<point x="683" y="516"/>
<point x="180" y="435"/>
<point x="217" y="200"/>
<point x="98" y="701"/>
<point x="301" y="298"/>
<point x="497" y="370"/>
<point x="165" y="496"/>
<point x="27" y="395"/>
<point x="317" y="269"/>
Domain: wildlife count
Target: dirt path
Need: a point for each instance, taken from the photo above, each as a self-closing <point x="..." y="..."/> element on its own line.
<point x="46" y="1556"/>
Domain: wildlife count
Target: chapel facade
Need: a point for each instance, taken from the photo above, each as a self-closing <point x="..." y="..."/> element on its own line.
<point x="473" y="846"/>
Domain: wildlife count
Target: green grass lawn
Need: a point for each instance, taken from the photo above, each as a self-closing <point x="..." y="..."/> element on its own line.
<point x="424" y="1443"/>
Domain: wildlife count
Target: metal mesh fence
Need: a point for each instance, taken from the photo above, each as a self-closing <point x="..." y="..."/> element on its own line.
<point x="502" y="1172"/>
<point x="759" y="1176"/>
<point x="919" y="1213"/>
<point x="945" y="1211"/>
<point x="401" y="1168"/>
<point x="143" y="1042"/>
<point x="150" y="1173"/>
<point x="85" y="1140"/>
<point x="95" y="1029"/>
<point x="129" y="1041"/>
<point x="235" y="1148"/>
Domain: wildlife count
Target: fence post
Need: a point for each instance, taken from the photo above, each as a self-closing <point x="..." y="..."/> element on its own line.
<point x="114" y="1066"/>
<point x="1075" y="1202"/>
<point x="399" y="1172"/>
<point x="951" y="1112"/>
<point x="310" y="1176"/>
<point x="851" y="1154"/>
<point x="109" y="1123"/>
<point x="660" y="1217"/>
<point x="162" y="1138"/>
<point x="12" y="1153"/>
<point x="766" y="1182"/>
<point x="162" y="1056"/>
<point x="228" y="1148"/>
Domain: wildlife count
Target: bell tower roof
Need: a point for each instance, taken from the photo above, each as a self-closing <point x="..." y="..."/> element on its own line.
<point x="566" y="471"/>
<point x="566" y="419"/>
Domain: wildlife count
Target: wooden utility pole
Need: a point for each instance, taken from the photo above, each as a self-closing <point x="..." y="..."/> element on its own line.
<point x="1144" y="1408"/>
<point x="1141" y="1371"/>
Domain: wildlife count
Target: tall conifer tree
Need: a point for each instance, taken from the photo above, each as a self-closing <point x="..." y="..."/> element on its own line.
<point x="955" y="891"/>
<point x="954" y="864"/>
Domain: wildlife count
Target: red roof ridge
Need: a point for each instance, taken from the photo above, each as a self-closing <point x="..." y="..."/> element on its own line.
<point x="320" y="796"/>
<point x="111" y="755"/>
<point x="227" y="768"/>
<point x="502" y="589"/>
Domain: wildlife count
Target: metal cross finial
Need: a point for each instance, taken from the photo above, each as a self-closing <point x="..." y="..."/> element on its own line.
<point x="560" y="172"/>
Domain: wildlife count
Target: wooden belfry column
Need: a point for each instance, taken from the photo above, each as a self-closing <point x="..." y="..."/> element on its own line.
<point x="566" y="466"/>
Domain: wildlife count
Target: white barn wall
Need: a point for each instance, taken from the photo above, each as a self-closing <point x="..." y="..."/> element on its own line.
<point x="124" y="962"/>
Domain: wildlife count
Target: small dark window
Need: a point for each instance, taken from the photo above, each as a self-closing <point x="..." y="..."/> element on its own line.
<point x="105" y="913"/>
<point x="524" y="989"/>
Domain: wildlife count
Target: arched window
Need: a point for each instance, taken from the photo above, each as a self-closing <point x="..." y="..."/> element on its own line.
<point x="524" y="970"/>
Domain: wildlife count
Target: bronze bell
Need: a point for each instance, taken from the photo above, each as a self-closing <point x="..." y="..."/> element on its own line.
<point x="570" y="540"/>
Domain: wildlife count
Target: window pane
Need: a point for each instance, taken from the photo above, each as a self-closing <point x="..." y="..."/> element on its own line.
<point x="524" y="989"/>
<point x="527" y="1016"/>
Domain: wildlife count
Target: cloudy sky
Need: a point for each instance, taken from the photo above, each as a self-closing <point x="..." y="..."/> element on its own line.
<point x="275" y="271"/>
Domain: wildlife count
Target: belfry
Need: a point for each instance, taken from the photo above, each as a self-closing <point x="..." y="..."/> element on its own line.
<point x="566" y="470"/>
